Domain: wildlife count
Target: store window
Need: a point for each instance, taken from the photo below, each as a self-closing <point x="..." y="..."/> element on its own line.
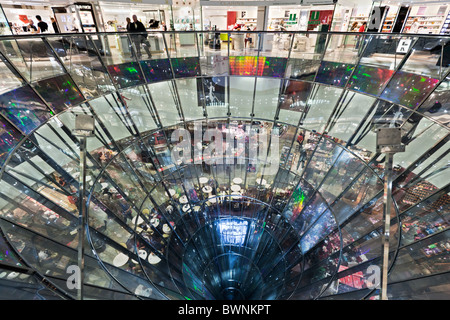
<point x="154" y="16"/>
<point x="23" y="20"/>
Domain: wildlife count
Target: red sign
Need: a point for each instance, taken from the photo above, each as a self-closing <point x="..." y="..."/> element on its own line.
<point x="319" y="17"/>
<point x="24" y="18"/>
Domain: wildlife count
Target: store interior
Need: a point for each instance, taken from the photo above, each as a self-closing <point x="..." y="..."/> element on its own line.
<point x="344" y="15"/>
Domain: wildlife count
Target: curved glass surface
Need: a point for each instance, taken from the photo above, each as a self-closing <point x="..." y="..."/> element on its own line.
<point x="223" y="171"/>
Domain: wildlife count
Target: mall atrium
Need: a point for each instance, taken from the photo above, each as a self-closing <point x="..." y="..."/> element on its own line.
<point x="224" y="165"/>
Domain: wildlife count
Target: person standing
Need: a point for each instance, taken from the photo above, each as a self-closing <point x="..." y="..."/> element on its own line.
<point x="42" y="26"/>
<point x="31" y="27"/>
<point x="140" y="37"/>
<point x="354" y="27"/>
<point x="360" y="38"/>
<point x="414" y="26"/>
<point x="128" y="26"/>
<point x="54" y="25"/>
<point x="363" y="27"/>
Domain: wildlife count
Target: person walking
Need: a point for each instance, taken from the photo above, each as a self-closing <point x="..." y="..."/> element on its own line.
<point x="42" y="26"/>
<point x="140" y="37"/>
<point x="54" y="25"/>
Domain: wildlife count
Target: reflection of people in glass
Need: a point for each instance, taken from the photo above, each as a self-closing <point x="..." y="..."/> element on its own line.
<point x="54" y="25"/>
<point x="138" y="27"/>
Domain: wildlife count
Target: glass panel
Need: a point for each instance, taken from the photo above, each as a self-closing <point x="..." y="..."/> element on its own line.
<point x="428" y="256"/>
<point x="186" y="45"/>
<point x="437" y="104"/>
<point x="281" y="44"/>
<point x="321" y="228"/>
<point x="408" y="89"/>
<point x="241" y="96"/>
<point x="59" y="92"/>
<point x="293" y="100"/>
<point x="214" y="91"/>
<point x="352" y="109"/>
<point x="9" y="138"/>
<point x="80" y="58"/>
<point x="369" y="80"/>
<point x="241" y="45"/>
<point x="139" y="107"/>
<point x="24" y="109"/>
<point x="266" y="98"/>
<point x="320" y="105"/>
<point x="334" y="73"/>
<point x="5" y="28"/>
<point x="336" y="52"/>
<point x="109" y="112"/>
<point x="425" y="135"/>
<point x="344" y="170"/>
<point x="190" y="102"/>
<point x="186" y="67"/>
<point x="383" y="114"/>
<point x="381" y="51"/>
<point x="425" y="58"/>
<point x="156" y="70"/>
<point x="38" y="62"/>
<point x="163" y="95"/>
<point x="213" y="55"/>
<point x="126" y="74"/>
<point x="8" y="79"/>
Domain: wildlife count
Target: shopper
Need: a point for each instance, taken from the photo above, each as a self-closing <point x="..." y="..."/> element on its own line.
<point x="55" y="25"/>
<point x="31" y="27"/>
<point x="128" y="26"/>
<point x="141" y="38"/>
<point x="360" y="38"/>
<point x="354" y="27"/>
<point x="363" y="27"/>
<point x="414" y="26"/>
<point x="42" y="26"/>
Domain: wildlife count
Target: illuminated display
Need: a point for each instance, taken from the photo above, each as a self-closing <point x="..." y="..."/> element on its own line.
<point x="408" y="89"/>
<point x="156" y="70"/>
<point x="298" y="202"/>
<point x="186" y="67"/>
<point x="125" y="74"/>
<point x="232" y="231"/>
<point x="9" y="138"/>
<point x="265" y="66"/>
<point x="59" y="92"/>
<point x="24" y="109"/>
<point x="334" y="73"/>
<point x="369" y="79"/>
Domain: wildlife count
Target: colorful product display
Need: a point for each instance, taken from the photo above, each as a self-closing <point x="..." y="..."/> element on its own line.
<point x="334" y="73"/>
<point x="59" y="92"/>
<point x="186" y="67"/>
<point x="24" y="109"/>
<point x="261" y="66"/>
<point x="156" y="70"/>
<point x="369" y="80"/>
<point x="125" y="74"/>
<point x="408" y="89"/>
